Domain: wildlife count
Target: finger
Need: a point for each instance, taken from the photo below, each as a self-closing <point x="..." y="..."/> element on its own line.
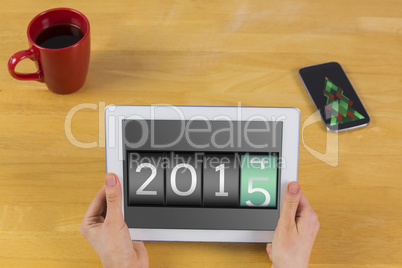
<point x="304" y="205"/>
<point x="114" y="212"/>
<point x="98" y="205"/>
<point x="269" y="251"/>
<point x="142" y="254"/>
<point x="290" y="204"/>
<point x="304" y="210"/>
<point x="94" y="213"/>
<point x="305" y="213"/>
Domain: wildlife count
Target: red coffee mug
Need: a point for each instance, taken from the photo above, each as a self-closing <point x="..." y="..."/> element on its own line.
<point x="64" y="70"/>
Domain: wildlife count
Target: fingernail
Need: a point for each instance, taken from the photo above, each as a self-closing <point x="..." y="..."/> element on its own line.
<point x="110" y="180"/>
<point x="294" y="187"/>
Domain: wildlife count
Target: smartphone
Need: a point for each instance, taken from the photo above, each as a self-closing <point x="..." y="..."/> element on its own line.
<point x="334" y="96"/>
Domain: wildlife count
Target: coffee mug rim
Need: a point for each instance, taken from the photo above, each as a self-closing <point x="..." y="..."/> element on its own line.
<point x="52" y="10"/>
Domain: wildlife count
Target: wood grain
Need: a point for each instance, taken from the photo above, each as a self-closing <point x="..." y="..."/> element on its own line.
<point x="205" y="53"/>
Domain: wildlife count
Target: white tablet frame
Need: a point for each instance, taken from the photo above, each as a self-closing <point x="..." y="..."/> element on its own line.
<point x="114" y="115"/>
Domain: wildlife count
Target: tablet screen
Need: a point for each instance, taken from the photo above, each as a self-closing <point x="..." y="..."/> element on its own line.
<point x="202" y="174"/>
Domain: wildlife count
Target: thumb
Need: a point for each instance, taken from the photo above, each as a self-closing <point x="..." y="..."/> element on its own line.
<point x="269" y="251"/>
<point x="114" y="212"/>
<point x="290" y="203"/>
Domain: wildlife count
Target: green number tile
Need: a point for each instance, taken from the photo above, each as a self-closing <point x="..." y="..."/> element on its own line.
<point x="258" y="180"/>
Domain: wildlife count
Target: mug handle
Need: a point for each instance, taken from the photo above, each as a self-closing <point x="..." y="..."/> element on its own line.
<point x="16" y="58"/>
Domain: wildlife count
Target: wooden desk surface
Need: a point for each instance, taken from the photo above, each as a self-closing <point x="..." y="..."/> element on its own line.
<point x="205" y="53"/>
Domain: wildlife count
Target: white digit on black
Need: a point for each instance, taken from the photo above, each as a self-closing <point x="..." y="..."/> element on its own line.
<point x="221" y="169"/>
<point x="141" y="190"/>
<point x="173" y="182"/>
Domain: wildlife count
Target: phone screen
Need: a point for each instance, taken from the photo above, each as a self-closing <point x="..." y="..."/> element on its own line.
<point x="334" y="96"/>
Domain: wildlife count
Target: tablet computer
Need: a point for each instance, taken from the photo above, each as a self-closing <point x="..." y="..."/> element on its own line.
<point x="193" y="173"/>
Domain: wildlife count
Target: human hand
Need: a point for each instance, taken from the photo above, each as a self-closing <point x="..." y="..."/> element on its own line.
<point x="296" y="231"/>
<point x="104" y="228"/>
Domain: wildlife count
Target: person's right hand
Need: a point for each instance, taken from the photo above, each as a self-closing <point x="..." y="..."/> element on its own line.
<point x="296" y="231"/>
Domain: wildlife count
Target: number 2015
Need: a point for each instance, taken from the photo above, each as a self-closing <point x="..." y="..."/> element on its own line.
<point x="222" y="184"/>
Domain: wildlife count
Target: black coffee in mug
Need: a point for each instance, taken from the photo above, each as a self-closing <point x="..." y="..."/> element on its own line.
<point x="59" y="36"/>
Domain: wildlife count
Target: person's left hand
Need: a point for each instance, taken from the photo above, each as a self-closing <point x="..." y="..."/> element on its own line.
<point x="104" y="228"/>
